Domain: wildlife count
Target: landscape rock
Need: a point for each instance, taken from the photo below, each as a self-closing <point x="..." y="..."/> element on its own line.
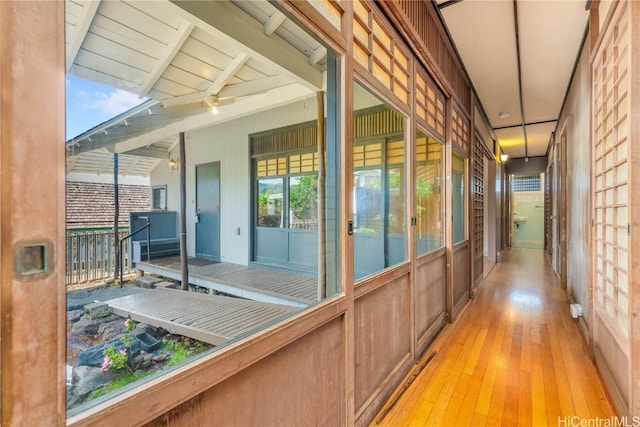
<point x="74" y="315"/>
<point x="94" y="356"/>
<point x="86" y="326"/>
<point x="85" y="380"/>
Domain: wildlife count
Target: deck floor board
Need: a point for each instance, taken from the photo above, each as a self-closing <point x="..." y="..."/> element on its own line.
<point x="300" y="287"/>
<point x="214" y="319"/>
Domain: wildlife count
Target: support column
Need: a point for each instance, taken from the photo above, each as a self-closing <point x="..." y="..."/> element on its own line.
<point x="184" y="266"/>
<point x="32" y="213"/>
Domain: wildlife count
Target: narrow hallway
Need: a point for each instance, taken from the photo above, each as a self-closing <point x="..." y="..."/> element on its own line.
<point x="514" y="357"/>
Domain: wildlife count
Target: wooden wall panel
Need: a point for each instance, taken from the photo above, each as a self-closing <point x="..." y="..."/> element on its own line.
<point x="461" y="277"/>
<point x="613" y="365"/>
<point x="382" y="345"/>
<point x="32" y="213"/>
<point x="301" y="384"/>
<point x="574" y="122"/>
<point x="430" y="303"/>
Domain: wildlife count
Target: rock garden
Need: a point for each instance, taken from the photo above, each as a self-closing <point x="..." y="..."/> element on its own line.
<point x="106" y="352"/>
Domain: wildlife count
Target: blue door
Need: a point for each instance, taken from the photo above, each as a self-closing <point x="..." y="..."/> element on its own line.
<point x="208" y="211"/>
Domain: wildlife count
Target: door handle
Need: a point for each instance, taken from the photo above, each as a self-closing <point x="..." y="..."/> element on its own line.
<point x="197" y="218"/>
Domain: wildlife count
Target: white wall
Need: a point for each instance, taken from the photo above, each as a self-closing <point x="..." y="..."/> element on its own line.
<point x="227" y="143"/>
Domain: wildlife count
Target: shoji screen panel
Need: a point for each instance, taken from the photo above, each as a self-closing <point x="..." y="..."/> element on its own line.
<point x="611" y="85"/>
<point x="375" y="48"/>
<point x="430" y="104"/>
<point x="478" y="207"/>
<point x="460" y="130"/>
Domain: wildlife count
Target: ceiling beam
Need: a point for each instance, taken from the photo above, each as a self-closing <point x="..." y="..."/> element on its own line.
<point x="151" y="152"/>
<point x="227" y="74"/>
<point x="518" y="55"/>
<point x="542" y="122"/>
<point x="181" y="35"/>
<point x="218" y="84"/>
<point x="226" y="21"/>
<point x="448" y="3"/>
<point x="89" y="10"/>
<point x="274" y="22"/>
<point x="254" y="86"/>
<point x="233" y="111"/>
<point x="317" y="55"/>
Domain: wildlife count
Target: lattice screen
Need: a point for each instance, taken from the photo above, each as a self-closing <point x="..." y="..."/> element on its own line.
<point x="460" y="130"/>
<point x="375" y="49"/>
<point x="610" y="174"/>
<point x="330" y="9"/>
<point x="478" y="200"/>
<point x="430" y="103"/>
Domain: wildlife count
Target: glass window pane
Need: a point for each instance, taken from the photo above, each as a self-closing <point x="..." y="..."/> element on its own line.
<point x="270" y="194"/>
<point x="303" y="202"/>
<point x="379" y="197"/>
<point x="429" y="193"/>
<point x="459" y="191"/>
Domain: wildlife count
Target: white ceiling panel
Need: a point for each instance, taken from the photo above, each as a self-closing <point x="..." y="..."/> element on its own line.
<point x="538" y="138"/>
<point x="511" y="141"/>
<point x="550" y="34"/>
<point x="484" y="34"/>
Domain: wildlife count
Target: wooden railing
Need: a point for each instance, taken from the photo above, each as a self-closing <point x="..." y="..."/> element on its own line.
<point x="90" y="256"/>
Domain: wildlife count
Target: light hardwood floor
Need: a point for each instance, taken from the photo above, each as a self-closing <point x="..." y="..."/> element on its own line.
<point x="514" y="357"/>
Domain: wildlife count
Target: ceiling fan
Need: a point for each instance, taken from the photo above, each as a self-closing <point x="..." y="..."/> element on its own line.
<point x="228" y="94"/>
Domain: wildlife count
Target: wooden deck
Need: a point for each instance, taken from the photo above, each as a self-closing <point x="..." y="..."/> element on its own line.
<point x="213" y="319"/>
<point x="258" y="284"/>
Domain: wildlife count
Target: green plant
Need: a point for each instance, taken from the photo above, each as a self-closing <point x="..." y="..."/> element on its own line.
<point x="179" y="351"/>
<point x="129" y="325"/>
<point x="117" y="383"/>
<point x="114" y="360"/>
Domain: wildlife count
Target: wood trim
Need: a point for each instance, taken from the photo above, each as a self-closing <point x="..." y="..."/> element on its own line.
<point x="161" y="394"/>
<point x="430" y="256"/>
<point x="383" y="278"/>
<point x="634" y="211"/>
<point x="448" y="204"/>
<point x="597" y="45"/>
<point x="402" y="21"/>
<point x="312" y="20"/>
<point x="612" y="387"/>
<point x="32" y="213"/>
<point x="381" y="393"/>
<point x="346" y="210"/>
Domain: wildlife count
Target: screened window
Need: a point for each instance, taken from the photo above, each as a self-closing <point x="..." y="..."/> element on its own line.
<point x="459" y="197"/>
<point x="526" y="182"/>
<point x="159" y="198"/>
<point x="429" y="193"/>
<point x="379" y="196"/>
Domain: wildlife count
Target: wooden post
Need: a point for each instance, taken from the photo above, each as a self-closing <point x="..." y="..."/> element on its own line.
<point x="184" y="267"/>
<point x="32" y="214"/>
<point x="322" y="244"/>
<point x="116" y="204"/>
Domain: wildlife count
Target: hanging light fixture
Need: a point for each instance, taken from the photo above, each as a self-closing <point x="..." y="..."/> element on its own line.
<point x="174" y="164"/>
<point x="504" y="157"/>
<point x="212" y="102"/>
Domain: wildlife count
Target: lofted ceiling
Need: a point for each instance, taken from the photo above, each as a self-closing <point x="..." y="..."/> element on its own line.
<point x="185" y="57"/>
<point x="520" y="55"/>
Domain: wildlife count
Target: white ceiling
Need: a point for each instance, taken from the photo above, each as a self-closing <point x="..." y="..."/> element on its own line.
<point x="549" y="33"/>
<point x="245" y="56"/>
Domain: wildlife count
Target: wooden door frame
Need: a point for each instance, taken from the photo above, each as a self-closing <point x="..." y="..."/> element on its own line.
<point x="32" y="302"/>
